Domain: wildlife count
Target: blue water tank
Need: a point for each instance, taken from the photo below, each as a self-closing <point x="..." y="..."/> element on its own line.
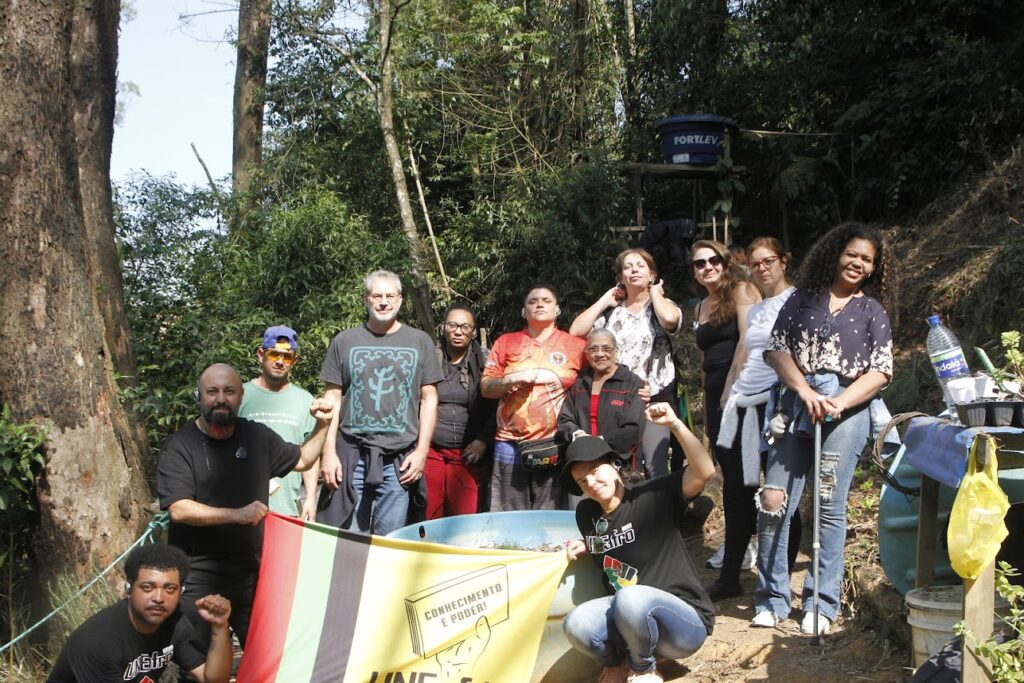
<point x="696" y="139"/>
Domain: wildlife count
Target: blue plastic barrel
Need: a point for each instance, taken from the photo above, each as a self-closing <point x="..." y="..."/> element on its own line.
<point x="897" y="525"/>
<point x="696" y="139"/>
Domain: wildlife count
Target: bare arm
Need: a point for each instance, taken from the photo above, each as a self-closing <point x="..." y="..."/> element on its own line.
<point x="310" y="479"/>
<point x="500" y="387"/>
<point x="329" y="462"/>
<point x="746" y="297"/>
<point x="584" y="322"/>
<point x="863" y="389"/>
<point x="412" y="466"/>
<point x="194" y="513"/>
<point x="323" y="410"/>
<point x="215" y="610"/>
<point x="699" y="465"/>
<point x="669" y="315"/>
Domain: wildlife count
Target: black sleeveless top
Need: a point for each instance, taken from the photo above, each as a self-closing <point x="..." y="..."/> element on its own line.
<point x="718" y="343"/>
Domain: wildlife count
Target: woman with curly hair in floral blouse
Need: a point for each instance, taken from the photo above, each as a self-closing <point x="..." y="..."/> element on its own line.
<point x="832" y="349"/>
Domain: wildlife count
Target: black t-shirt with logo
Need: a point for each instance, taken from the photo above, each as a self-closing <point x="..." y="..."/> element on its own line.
<point x="228" y="473"/>
<point x="107" y="648"/>
<point x="641" y="542"/>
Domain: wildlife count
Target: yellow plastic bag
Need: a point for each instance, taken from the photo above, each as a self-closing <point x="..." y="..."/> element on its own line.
<point x="976" y="527"/>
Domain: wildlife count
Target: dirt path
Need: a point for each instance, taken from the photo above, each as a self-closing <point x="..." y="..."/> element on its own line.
<point x="736" y="652"/>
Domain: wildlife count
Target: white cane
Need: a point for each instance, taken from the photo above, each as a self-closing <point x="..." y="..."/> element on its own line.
<point x="816" y="544"/>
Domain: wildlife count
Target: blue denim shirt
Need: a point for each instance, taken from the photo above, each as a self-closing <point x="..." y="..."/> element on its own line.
<point x="826" y="384"/>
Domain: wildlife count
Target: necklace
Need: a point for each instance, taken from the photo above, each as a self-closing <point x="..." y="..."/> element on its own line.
<point x="838" y="303"/>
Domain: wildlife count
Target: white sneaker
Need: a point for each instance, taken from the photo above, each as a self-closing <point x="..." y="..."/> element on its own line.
<point x="750" y="557"/>
<point x="651" y="676"/>
<point x="807" y="625"/>
<point x="765" y="619"/>
<point x="715" y="561"/>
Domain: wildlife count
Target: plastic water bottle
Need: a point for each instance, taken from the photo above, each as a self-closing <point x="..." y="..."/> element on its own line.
<point x="947" y="359"/>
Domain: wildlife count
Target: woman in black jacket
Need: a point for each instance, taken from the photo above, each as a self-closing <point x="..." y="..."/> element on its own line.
<point x="457" y="469"/>
<point x="604" y="401"/>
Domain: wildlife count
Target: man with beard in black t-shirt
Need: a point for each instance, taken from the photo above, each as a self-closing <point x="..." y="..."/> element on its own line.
<point x="134" y="639"/>
<point x="213" y="477"/>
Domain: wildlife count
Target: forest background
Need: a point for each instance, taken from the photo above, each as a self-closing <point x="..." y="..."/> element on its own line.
<point x="501" y="127"/>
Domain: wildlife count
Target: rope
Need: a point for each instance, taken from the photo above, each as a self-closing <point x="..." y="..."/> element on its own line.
<point x="876" y="453"/>
<point x="159" y="522"/>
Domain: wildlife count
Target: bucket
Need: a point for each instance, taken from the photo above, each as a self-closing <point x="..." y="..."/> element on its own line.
<point x="696" y="139"/>
<point x="934" y="610"/>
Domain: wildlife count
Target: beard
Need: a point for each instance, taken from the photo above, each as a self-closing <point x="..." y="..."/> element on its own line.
<point x="223" y="419"/>
<point x="383" y="316"/>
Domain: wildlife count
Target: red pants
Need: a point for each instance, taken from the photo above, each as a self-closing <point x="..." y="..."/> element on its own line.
<point x="453" y="487"/>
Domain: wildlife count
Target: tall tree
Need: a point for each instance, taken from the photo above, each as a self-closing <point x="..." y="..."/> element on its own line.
<point x="59" y="373"/>
<point x="249" y="98"/>
<point x="376" y="70"/>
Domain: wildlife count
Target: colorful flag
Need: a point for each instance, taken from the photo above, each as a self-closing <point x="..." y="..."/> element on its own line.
<point x="343" y="607"/>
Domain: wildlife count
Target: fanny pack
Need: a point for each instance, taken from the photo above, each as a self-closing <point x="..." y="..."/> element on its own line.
<point x="539" y="454"/>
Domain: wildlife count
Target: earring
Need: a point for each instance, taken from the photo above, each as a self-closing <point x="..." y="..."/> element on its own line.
<point x="558" y="311"/>
<point x="522" y="313"/>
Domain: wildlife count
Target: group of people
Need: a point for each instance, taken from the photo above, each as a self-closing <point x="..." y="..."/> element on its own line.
<point x="549" y="418"/>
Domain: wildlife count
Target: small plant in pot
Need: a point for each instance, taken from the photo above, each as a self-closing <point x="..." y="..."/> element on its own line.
<point x="1008" y="408"/>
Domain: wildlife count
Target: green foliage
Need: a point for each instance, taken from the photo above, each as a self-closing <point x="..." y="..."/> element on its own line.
<point x="196" y="297"/>
<point x="21" y="461"/>
<point x="1006" y="654"/>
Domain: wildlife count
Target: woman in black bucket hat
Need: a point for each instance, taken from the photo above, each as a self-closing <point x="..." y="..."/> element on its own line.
<point x="656" y="606"/>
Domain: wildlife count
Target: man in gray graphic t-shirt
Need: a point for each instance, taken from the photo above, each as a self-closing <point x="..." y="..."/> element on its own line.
<point x="382" y="374"/>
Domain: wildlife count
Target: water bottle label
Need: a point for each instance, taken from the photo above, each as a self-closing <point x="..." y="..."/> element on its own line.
<point x="950" y="364"/>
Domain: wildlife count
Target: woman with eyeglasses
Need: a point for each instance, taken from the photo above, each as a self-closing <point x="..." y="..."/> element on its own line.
<point x="457" y="469"/>
<point x="832" y="349"/>
<point x="656" y="606"/>
<point x="739" y="439"/>
<point x="642" y="318"/>
<point x="605" y="400"/>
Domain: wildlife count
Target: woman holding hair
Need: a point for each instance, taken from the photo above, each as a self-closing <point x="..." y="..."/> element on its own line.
<point x="605" y="400"/>
<point x="457" y="468"/>
<point x="739" y="438"/>
<point x="656" y="606"/>
<point x="832" y="349"/>
<point x="637" y="311"/>
<point x="720" y="321"/>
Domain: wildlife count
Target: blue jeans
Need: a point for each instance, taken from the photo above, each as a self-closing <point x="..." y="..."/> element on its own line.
<point x="388" y="502"/>
<point x="639" y="622"/>
<point x="790" y="460"/>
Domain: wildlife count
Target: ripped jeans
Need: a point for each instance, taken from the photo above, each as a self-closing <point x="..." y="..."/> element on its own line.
<point x="790" y="461"/>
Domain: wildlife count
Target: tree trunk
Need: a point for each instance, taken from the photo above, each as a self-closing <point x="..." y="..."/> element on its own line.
<point x="249" y="100"/>
<point x="422" y="300"/>
<point x="635" y="139"/>
<point x="91" y="495"/>
<point x="94" y="85"/>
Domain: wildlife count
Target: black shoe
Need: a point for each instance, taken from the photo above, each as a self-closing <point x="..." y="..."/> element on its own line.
<point x="723" y="590"/>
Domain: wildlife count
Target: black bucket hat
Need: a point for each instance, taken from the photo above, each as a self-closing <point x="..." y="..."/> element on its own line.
<point x="583" y="449"/>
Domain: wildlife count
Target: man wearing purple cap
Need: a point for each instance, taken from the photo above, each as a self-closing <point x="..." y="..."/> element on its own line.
<point x="271" y="399"/>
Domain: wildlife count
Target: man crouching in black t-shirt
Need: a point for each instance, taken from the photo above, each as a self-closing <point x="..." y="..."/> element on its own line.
<point x="134" y="639"/>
